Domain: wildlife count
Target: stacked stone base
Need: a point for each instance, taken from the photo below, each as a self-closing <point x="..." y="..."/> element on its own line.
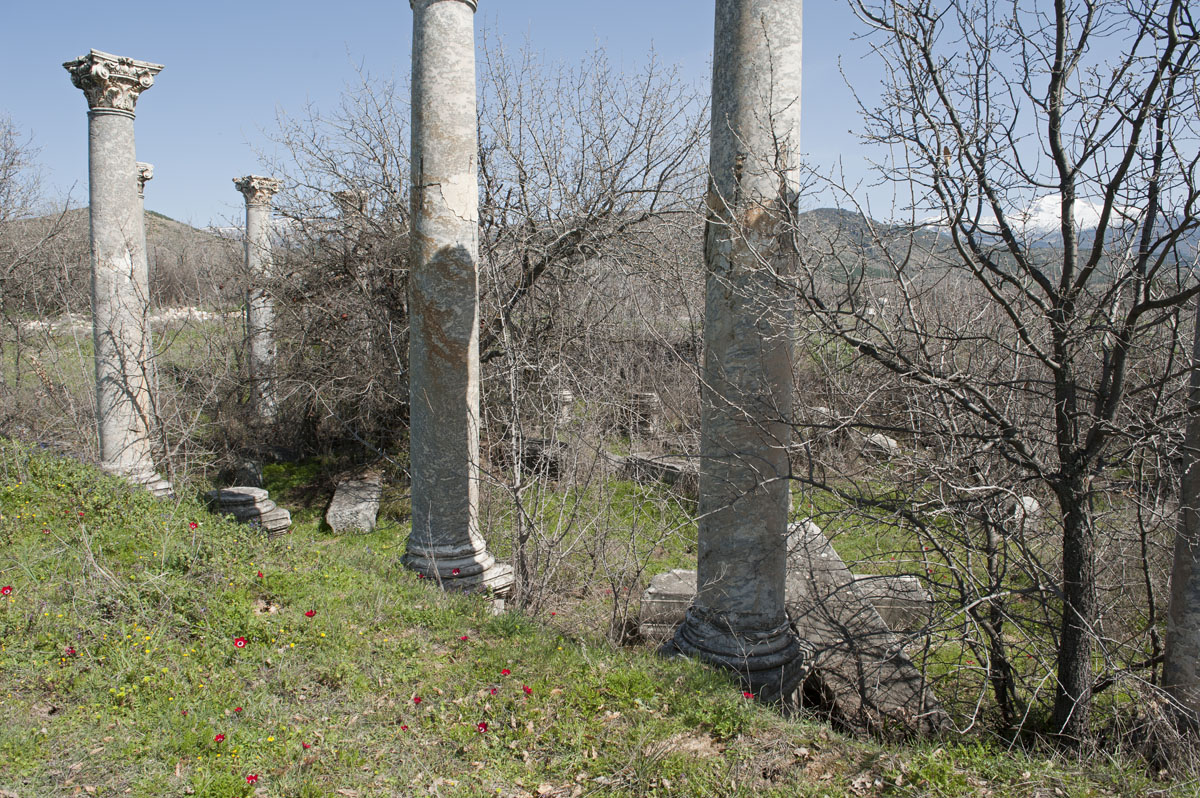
<point x="253" y="506"/>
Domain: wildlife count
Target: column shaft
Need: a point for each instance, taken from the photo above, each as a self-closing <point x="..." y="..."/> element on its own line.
<point x="738" y="619"/>
<point x="120" y="286"/>
<point x="444" y="335"/>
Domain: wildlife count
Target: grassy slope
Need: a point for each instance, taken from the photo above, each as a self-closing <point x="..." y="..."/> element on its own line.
<point x="150" y="608"/>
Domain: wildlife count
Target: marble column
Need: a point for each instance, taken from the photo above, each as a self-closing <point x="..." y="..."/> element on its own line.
<point x="260" y="311"/>
<point x="738" y="620"/>
<point x="445" y="542"/>
<point x="120" y="299"/>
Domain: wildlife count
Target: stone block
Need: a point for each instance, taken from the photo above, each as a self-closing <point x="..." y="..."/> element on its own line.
<point x="355" y="504"/>
<point x="860" y="675"/>
<point x="665" y="602"/>
<point x="901" y="600"/>
<point x="680" y="473"/>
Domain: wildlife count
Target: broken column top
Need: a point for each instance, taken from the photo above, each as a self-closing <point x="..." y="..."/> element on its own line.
<point x="351" y="201"/>
<point x="474" y="4"/>
<point x="111" y="82"/>
<point x="257" y="189"/>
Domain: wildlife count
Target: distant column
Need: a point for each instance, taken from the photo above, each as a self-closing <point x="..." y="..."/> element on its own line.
<point x="120" y="301"/>
<point x="738" y="620"/>
<point x="260" y="311"/>
<point x="145" y="173"/>
<point x="445" y="542"/>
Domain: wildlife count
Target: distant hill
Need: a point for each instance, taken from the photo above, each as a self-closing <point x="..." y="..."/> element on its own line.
<point x="187" y="266"/>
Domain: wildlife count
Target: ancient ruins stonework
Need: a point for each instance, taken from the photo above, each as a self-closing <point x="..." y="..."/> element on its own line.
<point x="249" y="505"/>
<point x="857" y="670"/>
<point x="445" y="542"/>
<point x="355" y="504"/>
<point x="145" y="173"/>
<point x="738" y="620"/>
<point x="260" y="312"/>
<point x="120" y="289"/>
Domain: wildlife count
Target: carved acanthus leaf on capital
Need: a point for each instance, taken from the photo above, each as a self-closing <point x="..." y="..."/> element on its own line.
<point x="258" y="190"/>
<point x="110" y="81"/>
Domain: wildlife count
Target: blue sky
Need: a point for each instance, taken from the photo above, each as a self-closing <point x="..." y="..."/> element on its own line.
<point x="230" y="67"/>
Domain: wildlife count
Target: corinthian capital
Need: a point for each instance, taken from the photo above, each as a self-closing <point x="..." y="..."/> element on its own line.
<point x="145" y="172"/>
<point x="110" y="81"/>
<point x="258" y="190"/>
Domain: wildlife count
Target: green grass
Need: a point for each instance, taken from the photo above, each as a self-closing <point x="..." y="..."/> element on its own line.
<point x="118" y="669"/>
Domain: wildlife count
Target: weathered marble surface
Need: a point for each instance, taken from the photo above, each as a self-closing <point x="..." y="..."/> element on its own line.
<point x="120" y="283"/>
<point x="260" y="310"/>
<point x="738" y="620"/>
<point x="445" y="542"/>
<point x="355" y="504"/>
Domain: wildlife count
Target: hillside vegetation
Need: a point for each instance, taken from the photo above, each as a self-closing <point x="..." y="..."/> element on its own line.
<point x="153" y="649"/>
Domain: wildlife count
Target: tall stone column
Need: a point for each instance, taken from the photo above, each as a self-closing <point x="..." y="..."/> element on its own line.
<point x="120" y="297"/>
<point x="445" y="542"/>
<point x="260" y="311"/>
<point x="738" y="620"/>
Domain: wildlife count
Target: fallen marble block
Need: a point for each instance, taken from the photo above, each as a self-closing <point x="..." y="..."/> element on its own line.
<point x="355" y="504"/>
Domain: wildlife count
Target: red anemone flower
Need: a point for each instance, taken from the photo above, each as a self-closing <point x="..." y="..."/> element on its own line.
<point x="6" y="590"/>
<point x="505" y="672"/>
<point x="220" y="738"/>
<point x="305" y="746"/>
<point x="193" y="525"/>
<point x="69" y="651"/>
<point x="310" y="613"/>
<point x="416" y="699"/>
<point x="404" y="727"/>
<point x="252" y="778"/>
<point x="494" y="691"/>
<point x="482" y="726"/>
<point x="463" y="638"/>
<point x="237" y="709"/>
<point x="747" y="694"/>
<point x="239" y="642"/>
<point x="528" y="690"/>
<point x="260" y="574"/>
<point x="456" y="572"/>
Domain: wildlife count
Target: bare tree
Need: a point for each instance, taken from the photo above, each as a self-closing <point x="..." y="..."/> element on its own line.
<point x="1025" y="317"/>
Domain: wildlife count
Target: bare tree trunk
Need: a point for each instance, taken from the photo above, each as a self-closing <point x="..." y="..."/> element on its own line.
<point x="1181" y="668"/>
<point x="1073" y="698"/>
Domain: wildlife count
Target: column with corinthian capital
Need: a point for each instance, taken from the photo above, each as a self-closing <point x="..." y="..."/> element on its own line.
<point x="445" y="543"/>
<point x="260" y="311"/>
<point x="120" y="298"/>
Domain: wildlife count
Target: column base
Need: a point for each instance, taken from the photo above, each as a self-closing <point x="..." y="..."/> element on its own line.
<point x="148" y="478"/>
<point x="771" y="664"/>
<point x="474" y="573"/>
